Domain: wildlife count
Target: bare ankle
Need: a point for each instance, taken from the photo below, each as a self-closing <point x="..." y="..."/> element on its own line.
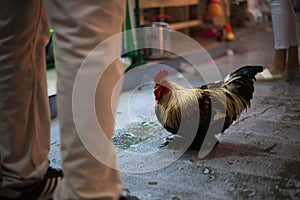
<point x="274" y="70"/>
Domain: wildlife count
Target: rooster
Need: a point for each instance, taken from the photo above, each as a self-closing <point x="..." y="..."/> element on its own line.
<point x="192" y="113"/>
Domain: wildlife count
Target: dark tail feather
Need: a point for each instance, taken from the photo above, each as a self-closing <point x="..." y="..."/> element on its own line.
<point x="241" y="81"/>
<point x="247" y="72"/>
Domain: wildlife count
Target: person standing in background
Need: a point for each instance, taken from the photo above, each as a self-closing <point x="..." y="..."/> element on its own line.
<point x="285" y="31"/>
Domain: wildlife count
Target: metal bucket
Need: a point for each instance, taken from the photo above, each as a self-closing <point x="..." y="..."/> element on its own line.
<point x="157" y="39"/>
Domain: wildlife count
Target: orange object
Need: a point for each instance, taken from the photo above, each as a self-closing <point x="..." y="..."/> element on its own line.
<point x="215" y="9"/>
<point x="228" y="28"/>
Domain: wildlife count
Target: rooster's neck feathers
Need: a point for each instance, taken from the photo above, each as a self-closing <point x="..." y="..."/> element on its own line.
<point x="178" y="103"/>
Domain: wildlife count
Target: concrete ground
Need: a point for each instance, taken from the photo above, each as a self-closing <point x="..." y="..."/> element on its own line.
<point x="258" y="157"/>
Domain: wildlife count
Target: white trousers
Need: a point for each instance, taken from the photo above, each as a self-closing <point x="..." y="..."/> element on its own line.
<point x="24" y="114"/>
<point x="284" y="23"/>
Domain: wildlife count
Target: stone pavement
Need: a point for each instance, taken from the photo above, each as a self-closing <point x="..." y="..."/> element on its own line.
<point x="258" y="157"/>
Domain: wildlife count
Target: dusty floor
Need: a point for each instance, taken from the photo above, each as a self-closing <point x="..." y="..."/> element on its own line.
<point x="258" y="156"/>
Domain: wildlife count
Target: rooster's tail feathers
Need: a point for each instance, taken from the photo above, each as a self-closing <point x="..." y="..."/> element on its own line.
<point x="245" y="72"/>
<point x="241" y="81"/>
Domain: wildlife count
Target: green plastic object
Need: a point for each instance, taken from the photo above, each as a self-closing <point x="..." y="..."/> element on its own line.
<point x="51" y="65"/>
<point x="135" y="55"/>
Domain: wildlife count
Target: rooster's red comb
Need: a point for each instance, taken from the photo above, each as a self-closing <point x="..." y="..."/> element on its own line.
<point x="161" y="74"/>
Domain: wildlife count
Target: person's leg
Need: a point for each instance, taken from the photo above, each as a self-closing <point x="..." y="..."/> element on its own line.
<point x="24" y="108"/>
<point x="293" y="60"/>
<point x="279" y="61"/>
<point x="285" y="32"/>
<point x="80" y="26"/>
<point x="279" y="33"/>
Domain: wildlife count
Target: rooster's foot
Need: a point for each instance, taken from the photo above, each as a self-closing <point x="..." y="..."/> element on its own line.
<point x="174" y="142"/>
<point x="166" y="141"/>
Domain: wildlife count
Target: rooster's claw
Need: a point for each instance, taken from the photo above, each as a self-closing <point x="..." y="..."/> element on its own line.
<point x="174" y="142"/>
